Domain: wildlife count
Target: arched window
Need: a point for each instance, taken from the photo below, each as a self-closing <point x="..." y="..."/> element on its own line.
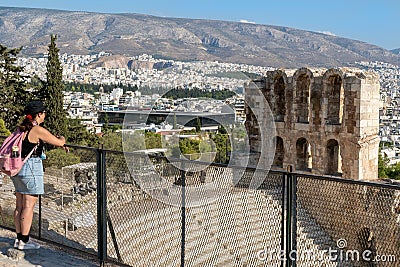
<point x="279" y="93"/>
<point x="303" y="153"/>
<point x="303" y="97"/>
<point x="279" y="152"/>
<point x="335" y="99"/>
<point x="333" y="157"/>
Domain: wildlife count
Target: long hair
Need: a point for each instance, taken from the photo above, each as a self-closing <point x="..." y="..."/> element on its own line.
<point x="27" y="123"/>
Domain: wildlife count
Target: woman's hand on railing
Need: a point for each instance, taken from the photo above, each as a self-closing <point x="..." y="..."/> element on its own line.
<point x="66" y="148"/>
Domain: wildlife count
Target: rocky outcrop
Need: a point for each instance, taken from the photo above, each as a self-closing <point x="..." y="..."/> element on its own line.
<point x="111" y="62"/>
<point x="139" y="64"/>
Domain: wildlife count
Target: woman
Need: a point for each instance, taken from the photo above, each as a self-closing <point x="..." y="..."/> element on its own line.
<point x="29" y="181"/>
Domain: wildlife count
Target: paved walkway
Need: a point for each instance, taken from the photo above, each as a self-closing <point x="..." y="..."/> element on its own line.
<point x="46" y="256"/>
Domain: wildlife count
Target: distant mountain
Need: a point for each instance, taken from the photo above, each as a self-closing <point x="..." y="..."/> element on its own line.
<point x="181" y="39"/>
<point x="396" y="51"/>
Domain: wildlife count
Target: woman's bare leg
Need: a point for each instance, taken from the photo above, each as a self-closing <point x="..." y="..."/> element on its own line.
<point x="17" y="212"/>
<point x="28" y="203"/>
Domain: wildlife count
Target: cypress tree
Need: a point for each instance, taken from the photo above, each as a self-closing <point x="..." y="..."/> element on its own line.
<point x="56" y="117"/>
<point x="198" y="124"/>
<point x="13" y="95"/>
<point x="175" y="124"/>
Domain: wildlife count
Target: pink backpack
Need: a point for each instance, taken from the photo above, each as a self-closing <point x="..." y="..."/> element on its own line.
<point x="8" y="164"/>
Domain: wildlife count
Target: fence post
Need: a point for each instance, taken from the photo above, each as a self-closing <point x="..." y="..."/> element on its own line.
<point x="101" y="207"/>
<point x="183" y="213"/>
<point x="294" y="219"/>
<point x="284" y="212"/>
<point x="288" y="218"/>
<point x="113" y="237"/>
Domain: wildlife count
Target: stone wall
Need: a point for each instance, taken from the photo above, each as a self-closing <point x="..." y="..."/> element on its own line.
<point x="81" y="177"/>
<point x="326" y="121"/>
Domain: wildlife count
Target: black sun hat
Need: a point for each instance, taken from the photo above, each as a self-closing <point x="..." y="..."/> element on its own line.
<point x="34" y="107"/>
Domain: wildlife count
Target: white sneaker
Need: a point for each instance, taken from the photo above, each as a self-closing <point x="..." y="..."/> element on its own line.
<point x="28" y="245"/>
<point x="16" y="243"/>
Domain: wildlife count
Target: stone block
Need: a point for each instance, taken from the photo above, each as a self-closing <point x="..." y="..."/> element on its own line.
<point x="356" y="87"/>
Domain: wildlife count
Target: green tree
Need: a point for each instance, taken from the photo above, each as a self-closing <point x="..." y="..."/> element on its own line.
<point x="13" y="96"/>
<point x="387" y="171"/>
<point x="152" y="140"/>
<point x="134" y="141"/>
<point x="56" y="117"/>
<point x="198" y="124"/>
<point x="107" y="127"/>
<point x="175" y="124"/>
<point x="3" y="129"/>
<point x="393" y="172"/>
<point x="176" y="93"/>
<point x="222" y="130"/>
<point x="223" y="147"/>
<point x="239" y="138"/>
<point x="189" y="146"/>
<point x="382" y="166"/>
<point x="37" y="86"/>
<point x="112" y="141"/>
<point x="59" y="158"/>
<point x="205" y="147"/>
<point x="78" y="135"/>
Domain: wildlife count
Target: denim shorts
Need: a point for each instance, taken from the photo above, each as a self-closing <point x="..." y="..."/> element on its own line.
<point x="29" y="180"/>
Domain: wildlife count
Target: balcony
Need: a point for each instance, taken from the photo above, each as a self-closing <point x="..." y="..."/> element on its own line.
<point x="136" y="210"/>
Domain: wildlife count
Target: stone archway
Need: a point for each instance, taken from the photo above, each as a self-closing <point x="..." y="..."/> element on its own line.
<point x="334" y="94"/>
<point x="280" y="102"/>
<point x="303" y="155"/>
<point x="279" y="152"/>
<point x="333" y="166"/>
<point x="303" y="83"/>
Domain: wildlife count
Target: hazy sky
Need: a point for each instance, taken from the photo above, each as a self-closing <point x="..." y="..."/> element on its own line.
<point x="376" y="22"/>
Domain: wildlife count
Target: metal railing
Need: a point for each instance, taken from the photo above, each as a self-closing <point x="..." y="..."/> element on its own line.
<point x="111" y="205"/>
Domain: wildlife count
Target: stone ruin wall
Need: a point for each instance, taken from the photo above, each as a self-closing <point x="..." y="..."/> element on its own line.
<point x="326" y="121"/>
<point x="328" y="125"/>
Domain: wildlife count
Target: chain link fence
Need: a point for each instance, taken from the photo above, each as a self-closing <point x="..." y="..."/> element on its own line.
<point x="69" y="206"/>
<point x="232" y="229"/>
<point x="117" y="206"/>
<point x="229" y="230"/>
<point x="141" y="231"/>
<point x="347" y="223"/>
<point x="67" y="212"/>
